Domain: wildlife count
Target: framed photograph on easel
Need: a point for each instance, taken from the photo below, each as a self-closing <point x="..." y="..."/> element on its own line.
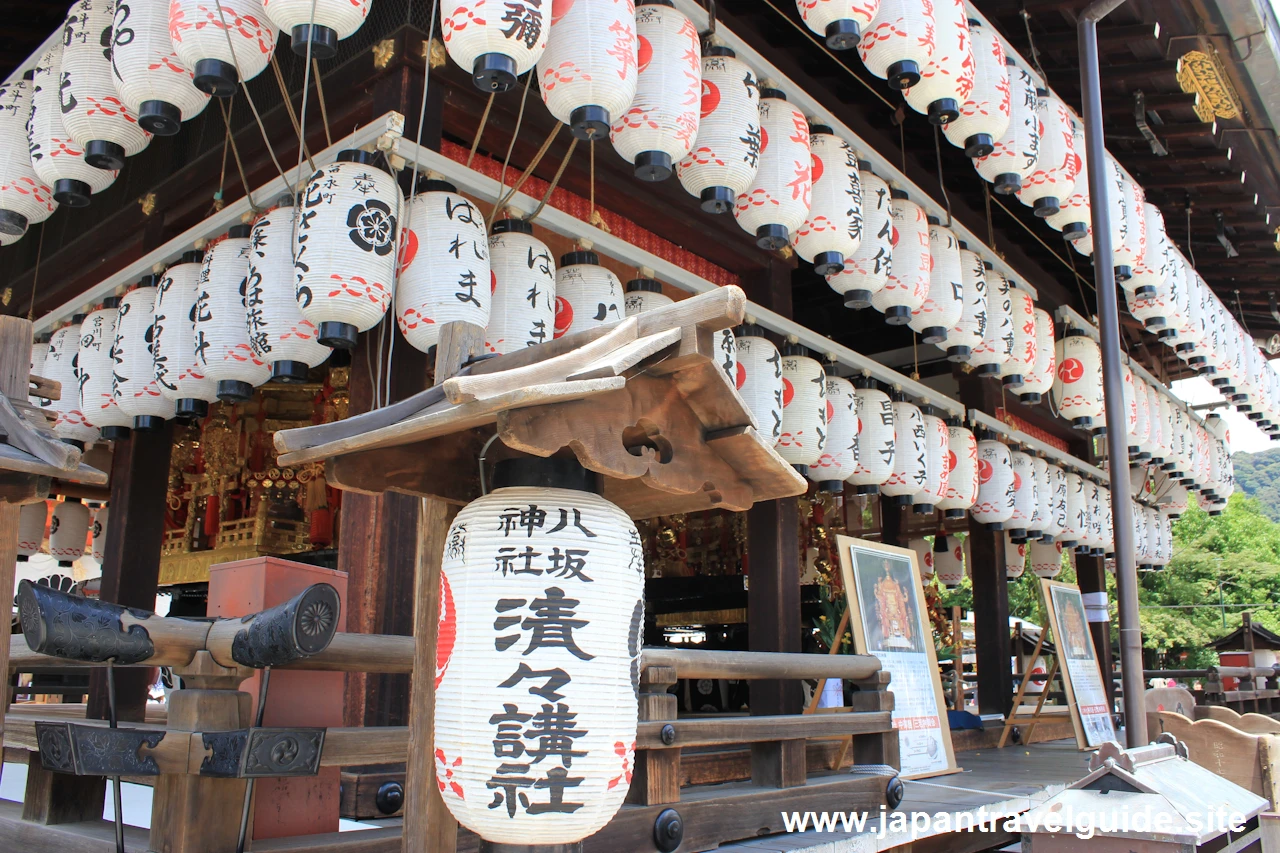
<point x="887" y="619"/>
<point x="1081" y="673"/>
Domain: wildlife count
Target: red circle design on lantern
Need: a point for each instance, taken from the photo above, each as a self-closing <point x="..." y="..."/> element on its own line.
<point x="644" y="53"/>
<point x="564" y="316"/>
<point x="1017" y="481"/>
<point x="710" y="97"/>
<point x="764" y="139"/>
<point x="788" y="392"/>
<point x="560" y="8"/>
<point x="951" y="460"/>
<point x="1071" y="370"/>
<point x="815" y="167"/>
<point x="831" y="411"/>
<point x="408" y="249"/>
<point x="447" y="632"/>
<point x="741" y="378"/>
<point x="985" y="471"/>
<point x="893" y="237"/>
<point x="493" y="282"/>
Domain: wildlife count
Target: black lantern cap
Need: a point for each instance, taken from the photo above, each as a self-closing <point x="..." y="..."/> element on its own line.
<point x="581" y="256"/>
<point x="1046" y="207"/>
<point x="717" y="199"/>
<point x="857" y="299"/>
<point x="71" y="192"/>
<point x="147" y="423"/>
<point x="589" y="123"/>
<point x="338" y="335"/>
<point x="551" y="473"/>
<point x="943" y="111"/>
<point x="192" y="256"/>
<point x="831" y="487"/>
<point x="494" y="72"/>
<point x="101" y="154"/>
<point x="866" y="490"/>
<point x="190" y="409"/>
<point x="653" y="166"/>
<point x="289" y="372"/>
<point x="789" y="348"/>
<point x="114" y="433"/>
<point x="772" y="237"/>
<point x="215" y="77"/>
<point x="159" y="117"/>
<point x="364" y="158"/>
<point x="897" y="315"/>
<point x="12" y="223"/>
<point x="323" y="41"/>
<point x="239" y="232"/>
<point x="843" y="34"/>
<point x="979" y="145"/>
<point x="1073" y="231"/>
<point x="828" y="263"/>
<point x="903" y="74"/>
<point x="511" y="226"/>
<point x="234" y="391"/>
<point x="648" y="285"/>
<point x="111" y="302"/>
<point x="718" y="50"/>
<point x="1007" y="183"/>
<point x="777" y="94"/>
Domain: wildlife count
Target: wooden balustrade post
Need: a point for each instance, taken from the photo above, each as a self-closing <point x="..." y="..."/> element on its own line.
<point x="873" y="695"/>
<point x="656" y="778"/>
<point x="15" y="370"/>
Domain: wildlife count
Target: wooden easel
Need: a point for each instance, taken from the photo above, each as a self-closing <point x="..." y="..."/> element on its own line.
<point x="1013" y="717"/>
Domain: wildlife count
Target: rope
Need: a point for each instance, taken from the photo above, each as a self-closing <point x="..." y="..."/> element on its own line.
<point x="537" y="158"/>
<point x="222" y="173"/>
<point x="235" y="152"/>
<point x="821" y="46"/>
<point x="288" y="105"/>
<point x="937" y="147"/>
<point x="552" y="186"/>
<point x="324" y="110"/>
<point x="991" y="225"/>
<point x="1035" y="54"/>
<point x="502" y="179"/>
<point x="306" y="88"/>
<point x="35" y="274"/>
<point x="484" y="119"/>
<point x="1068" y="264"/>
<point x="248" y="97"/>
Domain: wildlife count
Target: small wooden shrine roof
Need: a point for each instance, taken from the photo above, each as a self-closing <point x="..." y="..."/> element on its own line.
<point x="1235" y="641"/>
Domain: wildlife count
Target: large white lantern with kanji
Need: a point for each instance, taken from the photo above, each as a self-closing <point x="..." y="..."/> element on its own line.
<point x="924" y="554"/>
<point x="222" y="348"/>
<point x="1044" y="496"/>
<point x="1037" y="382"/>
<point x="316" y="26"/>
<point x="659" y="127"/>
<point x="984" y="114"/>
<point x="277" y="330"/>
<point x="1077" y="382"/>
<point x="908" y="284"/>
<point x="944" y="304"/>
<point x="866" y="271"/>
<point x="96" y="363"/>
<point x="24" y="198"/>
<point x="804" y="407"/>
<point x="839" y="459"/>
<point x="1054" y="178"/>
<point x="1046" y="559"/>
<point x="948" y="560"/>
<point x="98" y="533"/>
<point x="536" y="692"/>
<point x="1073" y="216"/>
<point x="57" y="159"/>
<point x="588" y="295"/>
<point x="60" y="365"/>
<point x="899" y="42"/>
<point x="1026" y="495"/>
<point x="947" y="80"/>
<point x="839" y="22"/>
<point x="177" y="368"/>
<point x="1015" y="558"/>
<point x="1128" y="223"/>
<point x="936" y="470"/>
<point x="1075" y="527"/>
<point x="1022" y="358"/>
<point x="134" y="384"/>
<point x="151" y="80"/>
<point x="39" y="350"/>
<point x="962" y="471"/>
<point x="345" y="259"/>
<point x="587" y="74"/>
<point x="1015" y="154"/>
<point x="995" y="501"/>
<point x="776" y="204"/>
<point x="68" y="531"/>
<point x="726" y="153"/>
<point x="31" y="521"/>
<point x="1057" y="502"/>
<point x="876" y="440"/>
<point x="759" y="380"/>
<point x="224" y="43"/>
<point x="996" y="349"/>
<point x="832" y="230"/>
<point x="444" y="266"/>
<point x="495" y="49"/>
<point x="92" y="111"/>
<point x="644" y="294"/>
<point x="523" y="313"/>
<point x="967" y="334"/>
<point x="910" y="453"/>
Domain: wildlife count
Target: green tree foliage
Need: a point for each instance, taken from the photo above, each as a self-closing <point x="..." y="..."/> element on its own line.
<point x="1258" y="476"/>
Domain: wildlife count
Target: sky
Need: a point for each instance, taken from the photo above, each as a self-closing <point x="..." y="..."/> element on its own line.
<point x="1244" y="436"/>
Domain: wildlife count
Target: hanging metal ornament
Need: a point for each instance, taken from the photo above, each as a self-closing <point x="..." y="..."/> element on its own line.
<point x="222" y="348"/>
<point x="1015" y="154"/>
<point x="832" y="230"/>
<point x="523" y="312"/>
<point x="587" y="74"/>
<point x="96" y="362"/>
<point x="899" y="42"/>
<point x="151" y="79"/>
<point x="177" y="367"/>
<point x="866" y="270"/>
<point x="1054" y="178"/>
<point x="24" y="198"/>
<point x="966" y="335"/>
<point x="876" y="438"/>
<point x="726" y="153"/>
<point x="942" y="307"/>
<point x="839" y="22"/>
<point x="908" y="283"/>
<point x="984" y="114"/>
<point x="494" y="50"/>
<point x="996" y="349"/>
<point x="759" y="379"/>
<point x="777" y="202"/>
<point x="224" y="43"/>
<point x="588" y="295"/>
<point x="134" y="384"/>
<point x="57" y="159"/>
<point x="947" y="80"/>
<point x="316" y="26"/>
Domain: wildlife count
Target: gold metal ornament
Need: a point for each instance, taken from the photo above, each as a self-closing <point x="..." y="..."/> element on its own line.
<point x="1203" y="74"/>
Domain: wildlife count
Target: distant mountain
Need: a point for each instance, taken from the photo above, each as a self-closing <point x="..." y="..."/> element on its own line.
<point x="1258" y="476"/>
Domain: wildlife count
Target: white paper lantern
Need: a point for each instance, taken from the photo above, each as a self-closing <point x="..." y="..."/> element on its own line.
<point x="984" y="114"/>
<point x="726" y="153"/>
<point x="224" y="44"/>
<point x="92" y="111"/>
<point x="57" y="159"/>
<point x="316" y="26"/>
<point x="776" y="204"/>
<point x="587" y="74"/>
<point x="98" y="535"/>
<point x="1046" y="559"/>
<point x="937" y="469"/>
<point x="1015" y="558"/>
<point x="910" y="456"/>
<point x="1143" y="553"/>
<point x="1054" y="178"/>
<point x="924" y="556"/>
<point x="151" y="80"/>
<point x="644" y="294"/>
<point x="866" y="271"/>
<point x="908" y="284"/>
<point x="1041" y="509"/>
<point x="998" y="339"/>
<point x="222" y="348"/>
<point x="277" y="331"/>
<point x="947" y="80"/>
<point x="839" y="458"/>
<point x="727" y="347"/>
<point x="876" y="440"/>
<point x="1130" y="409"/>
<point x="1156" y="426"/>
<point x="61" y="366"/>
<point x="177" y="369"/>
<point x="804" y="407"/>
<point x="1039" y="379"/>
<point x="587" y="294"/>
<point x="839" y="22"/>
<point x="494" y="49"/>
<point x="24" y="198"/>
<point x="1075" y="527"/>
<point x="1022" y="360"/>
<point x="1128" y="229"/>
<point x="832" y="230"/>
<point x="944" y="304"/>
<point x="659" y="127"/>
<point x="96" y="361"/>
<point x="948" y="560"/>
<point x="962" y="471"/>
<point x="899" y="42"/>
<point x="523" y="312"/>
<point x="1058" y="504"/>
<point x="39" y="349"/>
<point x="539" y="580"/>
<point x="31" y="521"/>
<point x="1077" y="383"/>
<point x="134" y="384"/>
<point x="967" y="334"/>
<point x="759" y="380"/>
<point x="1025" y="495"/>
<point x="1073" y="216"/>
<point x="1168" y="437"/>
<point x="347" y="236"/>
<point x="995" y="504"/>
<point x="444" y="268"/>
<point x="1047" y="519"/>
<point x="1153" y="266"/>
<point x="1013" y="158"/>
<point x="68" y="531"/>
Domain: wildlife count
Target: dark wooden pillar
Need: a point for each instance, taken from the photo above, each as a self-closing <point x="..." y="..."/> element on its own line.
<point x="1091" y="577"/>
<point x="131" y="556"/>
<point x="893" y="522"/>
<point x="773" y="597"/>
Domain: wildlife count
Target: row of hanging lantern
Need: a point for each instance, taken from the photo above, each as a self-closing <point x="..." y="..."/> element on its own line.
<point x="69" y="527"/>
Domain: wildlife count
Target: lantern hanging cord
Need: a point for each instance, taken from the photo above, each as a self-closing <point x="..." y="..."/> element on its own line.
<point x="244" y="86"/>
<point x="1190" y="250"/>
<point x="551" y="187"/>
<point x="35" y="274"/>
<point x="823" y="47"/>
<point x="1035" y="53"/>
<point x="937" y="147"/>
<point x="1240" y="314"/>
<point x="484" y="119"/>
<point x="306" y="89"/>
<point x="524" y="176"/>
<point x="288" y="106"/>
<point x="222" y="172"/>
<point x="1068" y="264"/>
<point x="324" y="109"/>
<point x="991" y="225"/>
<point x="235" y="152"/>
<point x="515" y="134"/>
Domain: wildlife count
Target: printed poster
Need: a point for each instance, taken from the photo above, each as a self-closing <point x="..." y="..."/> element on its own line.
<point x="1086" y="693"/>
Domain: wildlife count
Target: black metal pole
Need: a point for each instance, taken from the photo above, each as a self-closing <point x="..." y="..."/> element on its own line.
<point x="1112" y="375"/>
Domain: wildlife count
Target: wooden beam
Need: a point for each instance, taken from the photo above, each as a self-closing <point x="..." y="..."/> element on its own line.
<point x="15" y="352"/>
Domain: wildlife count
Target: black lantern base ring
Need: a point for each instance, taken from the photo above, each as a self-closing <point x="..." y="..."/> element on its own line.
<point x="979" y="145"/>
<point x="653" y="166"/>
<point x="934" y="334"/>
<point x="996" y="526"/>
<point x="943" y="111"/>
<point x="549" y="473"/>
<point x="772" y="237"/>
<point x="903" y="74"/>
<point x="953" y="513"/>
<point x="72" y="193"/>
<point x="843" y="34"/>
<point x="1007" y="183"/>
<point x="717" y="199"/>
<point x="495" y="847"/>
<point x="289" y="372"/>
<point x="101" y="154"/>
<point x="1030" y="398"/>
<point x="1046" y="207"/>
<point x="147" y="423"/>
<point x="215" y="77"/>
<point x="959" y="355"/>
<point x="494" y="72"/>
<point x="160" y="117"/>
<point x="1013" y="380"/>
<point x="1166" y="334"/>
<point x="190" y="409"/>
<point x="234" y="391"/>
<point x="1073" y="231"/>
<point x="988" y="370"/>
<point x="897" y="315"/>
<point x="1155" y="324"/>
<point x="832" y="487"/>
<point x="1083" y="423"/>
<point x="1100" y="432"/>
<point x="12" y="223"/>
<point x="323" y="41"/>
<point x="922" y="509"/>
<point x="338" y="335"/>
<point x="902" y="500"/>
<point x="864" y="491"/>
<point x="828" y="263"/>
<point x="1145" y="292"/>
<point x="1018" y="535"/>
<point x="857" y="299"/>
<point x="1124" y="272"/>
<point x="589" y="123"/>
<point x="114" y="433"/>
